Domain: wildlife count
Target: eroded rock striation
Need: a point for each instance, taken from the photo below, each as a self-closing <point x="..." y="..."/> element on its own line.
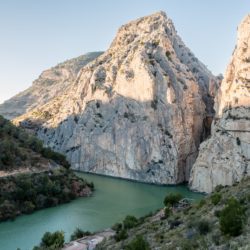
<point x="49" y="85"/>
<point x="135" y="112"/>
<point x="225" y="158"/>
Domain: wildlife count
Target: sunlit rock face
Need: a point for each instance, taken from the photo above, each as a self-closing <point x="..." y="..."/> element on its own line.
<point x="225" y="158"/>
<point x="137" y="111"/>
<point x="51" y="83"/>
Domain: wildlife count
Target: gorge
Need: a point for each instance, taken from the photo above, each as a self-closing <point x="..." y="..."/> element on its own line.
<point x="137" y="111"/>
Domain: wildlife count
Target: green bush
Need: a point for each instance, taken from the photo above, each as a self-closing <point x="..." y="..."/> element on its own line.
<point x="201" y="203"/>
<point x="17" y="146"/>
<point x="203" y="227"/>
<point x="218" y="188"/>
<point x="138" y="244"/>
<point x="117" y="227"/>
<point x="130" y="222"/>
<point x="172" y="199"/>
<point x="215" y="198"/>
<point x="79" y="233"/>
<point x="231" y="218"/>
<point x="51" y="241"/>
<point x="121" y="235"/>
<point x="167" y="211"/>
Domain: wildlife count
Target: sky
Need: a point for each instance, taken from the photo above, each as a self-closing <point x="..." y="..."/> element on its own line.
<point x="38" y="34"/>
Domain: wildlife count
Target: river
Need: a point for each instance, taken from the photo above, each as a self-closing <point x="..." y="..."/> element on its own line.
<point x="112" y="200"/>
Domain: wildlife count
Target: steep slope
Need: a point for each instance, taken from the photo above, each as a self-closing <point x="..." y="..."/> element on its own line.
<point x="33" y="177"/>
<point x="49" y="85"/>
<point x="195" y="227"/>
<point x="137" y="111"/>
<point x="225" y="158"/>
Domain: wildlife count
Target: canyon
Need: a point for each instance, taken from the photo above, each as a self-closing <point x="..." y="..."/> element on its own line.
<point x="224" y="159"/>
<point x="137" y="111"/>
<point x="143" y="110"/>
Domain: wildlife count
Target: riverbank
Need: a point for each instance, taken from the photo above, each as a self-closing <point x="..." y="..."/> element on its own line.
<point x="26" y="192"/>
<point x="219" y="221"/>
<point x="89" y="242"/>
<point x="112" y="200"/>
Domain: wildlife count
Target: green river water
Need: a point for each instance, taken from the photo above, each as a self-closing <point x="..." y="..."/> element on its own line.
<point x="112" y="200"/>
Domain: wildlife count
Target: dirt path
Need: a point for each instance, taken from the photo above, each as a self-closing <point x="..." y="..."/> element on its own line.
<point x="89" y="242"/>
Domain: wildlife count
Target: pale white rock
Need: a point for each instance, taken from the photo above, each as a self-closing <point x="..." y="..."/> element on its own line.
<point x="225" y="158"/>
<point x="49" y="85"/>
<point x="137" y="111"/>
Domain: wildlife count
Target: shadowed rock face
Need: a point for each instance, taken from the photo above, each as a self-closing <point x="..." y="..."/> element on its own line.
<point x="49" y="85"/>
<point x="135" y="112"/>
<point x="225" y="158"/>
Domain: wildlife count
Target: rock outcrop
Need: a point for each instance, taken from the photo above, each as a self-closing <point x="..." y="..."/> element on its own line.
<point x="51" y="83"/>
<point x="137" y="111"/>
<point x="225" y="158"/>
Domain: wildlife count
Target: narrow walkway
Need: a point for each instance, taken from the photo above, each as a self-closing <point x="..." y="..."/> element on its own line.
<point x="89" y="242"/>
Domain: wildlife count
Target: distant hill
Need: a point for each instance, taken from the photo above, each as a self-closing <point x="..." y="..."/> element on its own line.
<point x="49" y="85"/>
<point x="20" y="150"/>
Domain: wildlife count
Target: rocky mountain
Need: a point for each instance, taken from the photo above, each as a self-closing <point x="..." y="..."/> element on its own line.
<point x="139" y="111"/>
<point x="49" y="85"/>
<point x="225" y="158"/>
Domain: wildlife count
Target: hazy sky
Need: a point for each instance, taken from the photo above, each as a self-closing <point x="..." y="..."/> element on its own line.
<point x="37" y="34"/>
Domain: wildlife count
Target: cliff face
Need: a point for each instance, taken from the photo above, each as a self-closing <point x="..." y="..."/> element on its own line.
<point x="225" y="158"/>
<point x="137" y="111"/>
<point x="49" y="85"/>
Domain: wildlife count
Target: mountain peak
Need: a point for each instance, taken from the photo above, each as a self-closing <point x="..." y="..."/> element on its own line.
<point x="137" y="111"/>
<point x="144" y="28"/>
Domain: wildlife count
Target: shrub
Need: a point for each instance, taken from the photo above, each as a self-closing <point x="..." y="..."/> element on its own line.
<point x="215" y="198"/>
<point x="231" y="218"/>
<point x="79" y="233"/>
<point x="138" y="244"/>
<point x="203" y="227"/>
<point x="51" y="241"/>
<point x="218" y="188"/>
<point x="167" y="211"/>
<point x="201" y="203"/>
<point x="117" y="227"/>
<point x="154" y="104"/>
<point x="172" y="199"/>
<point x="168" y="55"/>
<point x="121" y="235"/>
<point x="130" y="222"/>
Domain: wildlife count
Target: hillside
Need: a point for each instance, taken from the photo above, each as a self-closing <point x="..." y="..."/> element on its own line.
<point x="33" y="177"/>
<point x="50" y="84"/>
<point x="213" y="223"/>
<point x="22" y="151"/>
<point x="139" y="111"/>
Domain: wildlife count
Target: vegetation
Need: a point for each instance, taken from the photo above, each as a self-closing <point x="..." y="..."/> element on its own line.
<point x="219" y="221"/>
<point x="203" y="227"/>
<point x="51" y="241"/>
<point x="138" y="244"/>
<point x="25" y="193"/>
<point x="172" y="199"/>
<point x="18" y="148"/>
<point x="46" y="181"/>
<point x="231" y="218"/>
<point x="129" y="222"/>
<point x="215" y="198"/>
<point x="79" y="233"/>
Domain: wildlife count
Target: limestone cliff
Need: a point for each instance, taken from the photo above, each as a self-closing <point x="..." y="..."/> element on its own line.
<point x="137" y="111"/>
<point x="49" y="85"/>
<point x="225" y="158"/>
